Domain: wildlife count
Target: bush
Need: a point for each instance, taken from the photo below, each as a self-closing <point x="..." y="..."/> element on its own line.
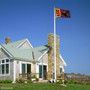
<point x="69" y="82"/>
<point x="66" y="81"/>
<point x="33" y="77"/>
<point x="28" y="81"/>
<point x="59" y="82"/>
<point x="19" y="81"/>
<point x="5" y="81"/>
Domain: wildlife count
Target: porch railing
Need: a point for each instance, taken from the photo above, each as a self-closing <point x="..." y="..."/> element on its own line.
<point x="28" y="76"/>
<point x="68" y="76"/>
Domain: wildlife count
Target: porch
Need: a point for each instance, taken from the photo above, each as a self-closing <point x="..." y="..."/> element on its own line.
<point x="60" y="76"/>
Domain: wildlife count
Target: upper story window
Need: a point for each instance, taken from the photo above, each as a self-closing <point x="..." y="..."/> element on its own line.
<point x="7" y="60"/>
<point x="3" y="61"/>
<point x="4" y="66"/>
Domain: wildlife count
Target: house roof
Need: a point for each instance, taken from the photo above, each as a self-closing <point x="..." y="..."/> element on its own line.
<point x="24" y="53"/>
<point x="32" y="54"/>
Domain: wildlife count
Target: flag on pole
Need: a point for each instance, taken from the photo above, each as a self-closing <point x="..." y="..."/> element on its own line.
<point x="62" y="13"/>
<point x="58" y="13"/>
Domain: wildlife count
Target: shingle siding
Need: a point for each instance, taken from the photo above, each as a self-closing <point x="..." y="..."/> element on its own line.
<point x="3" y="54"/>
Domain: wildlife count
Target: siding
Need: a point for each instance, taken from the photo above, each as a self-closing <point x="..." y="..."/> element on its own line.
<point x="45" y="59"/>
<point x="3" y="54"/>
<point x="25" y="46"/>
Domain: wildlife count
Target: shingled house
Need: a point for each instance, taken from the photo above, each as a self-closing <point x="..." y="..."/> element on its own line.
<point x="21" y="57"/>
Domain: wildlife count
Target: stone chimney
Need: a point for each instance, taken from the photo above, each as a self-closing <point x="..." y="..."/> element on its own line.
<point x="7" y="40"/>
<point x="51" y="54"/>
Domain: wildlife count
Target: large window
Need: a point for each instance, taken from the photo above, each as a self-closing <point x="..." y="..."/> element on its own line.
<point x="4" y="66"/>
<point x="23" y="68"/>
<point x="40" y="71"/>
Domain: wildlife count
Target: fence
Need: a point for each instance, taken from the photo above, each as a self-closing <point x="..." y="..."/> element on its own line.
<point x="68" y="76"/>
<point x="28" y="76"/>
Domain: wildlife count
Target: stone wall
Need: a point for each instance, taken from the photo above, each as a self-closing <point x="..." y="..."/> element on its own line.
<point x="51" y="54"/>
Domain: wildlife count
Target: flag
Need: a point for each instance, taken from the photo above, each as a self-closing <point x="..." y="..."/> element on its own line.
<point x="62" y="13"/>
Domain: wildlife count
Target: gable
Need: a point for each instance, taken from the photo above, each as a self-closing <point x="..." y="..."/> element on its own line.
<point x="3" y="54"/>
<point x="25" y="45"/>
<point x="62" y="62"/>
<point x="45" y="59"/>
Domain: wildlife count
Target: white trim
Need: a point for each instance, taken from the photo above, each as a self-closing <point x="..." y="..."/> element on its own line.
<point x="44" y="64"/>
<point x="64" y="63"/>
<point x="22" y="62"/>
<point x="29" y="43"/>
<point x="42" y="55"/>
<point x="26" y="40"/>
<point x="6" y="51"/>
<point x="62" y="68"/>
<point x="14" y="70"/>
<point x="0" y="46"/>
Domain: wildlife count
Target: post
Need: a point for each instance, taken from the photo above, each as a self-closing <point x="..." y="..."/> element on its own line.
<point x="42" y="68"/>
<point x="83" y="77"/>
<point x="19" y="76"/>
<point x="74" y="77"/>
<point x="55" y="42"/>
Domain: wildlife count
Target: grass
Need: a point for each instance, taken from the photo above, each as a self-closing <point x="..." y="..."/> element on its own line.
<point x="43" y="86"/>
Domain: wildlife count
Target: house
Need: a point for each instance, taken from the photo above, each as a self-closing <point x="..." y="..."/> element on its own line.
<point x="21" y="57"/>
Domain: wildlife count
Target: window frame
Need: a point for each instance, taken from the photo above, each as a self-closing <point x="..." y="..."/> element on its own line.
<point x="5" y="74"/>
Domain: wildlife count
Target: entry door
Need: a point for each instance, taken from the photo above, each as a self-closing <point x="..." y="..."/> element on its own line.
<point x="44" y="71"/>
<point x="28" y="68"/>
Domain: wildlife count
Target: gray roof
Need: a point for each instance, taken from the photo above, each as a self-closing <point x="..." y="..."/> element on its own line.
<point x="24" y="53"/>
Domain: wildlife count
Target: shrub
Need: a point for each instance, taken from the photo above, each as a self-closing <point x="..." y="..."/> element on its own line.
<point x="71" y="82"/>
<point x="28" y="81"/>
<point x="66" y="81"/>
<point x="19" y="81"/>
<point x="33" y="77"/>
<point x="5" y="81"/>
<point x="59" y="82"/>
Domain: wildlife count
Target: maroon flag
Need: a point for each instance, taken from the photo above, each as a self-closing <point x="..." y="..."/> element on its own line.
<point x="62" y="13"/>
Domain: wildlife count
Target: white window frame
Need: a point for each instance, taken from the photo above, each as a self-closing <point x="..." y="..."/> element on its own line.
<point x="22" y="62"/>
<point x="43" y="65"/>
<point x="5" y="67"/>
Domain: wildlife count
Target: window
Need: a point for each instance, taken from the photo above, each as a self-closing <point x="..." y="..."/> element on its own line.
<point x="3" y="61"/>
<point x="7" y="60"/>
<point x="40" y="71"/>
<point x="4" y="66"/>
<point x="2" y="69"/>
<point x="7" y="68"/>
<point x="23" y="68"/>
<point x="60" y="70"/>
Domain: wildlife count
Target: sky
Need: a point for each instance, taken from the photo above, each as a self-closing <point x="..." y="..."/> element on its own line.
<point x="34" y="19"/>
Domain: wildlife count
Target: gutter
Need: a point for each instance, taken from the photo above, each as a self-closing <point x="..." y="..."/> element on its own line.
<point x="22" y="59"/>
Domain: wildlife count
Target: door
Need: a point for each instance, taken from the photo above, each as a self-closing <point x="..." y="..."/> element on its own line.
<point x="44" y="71"/>
<point x="28" y="68"/>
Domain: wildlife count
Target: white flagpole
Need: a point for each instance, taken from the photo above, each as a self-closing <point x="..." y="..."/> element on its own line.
<point x="55" y="42"/>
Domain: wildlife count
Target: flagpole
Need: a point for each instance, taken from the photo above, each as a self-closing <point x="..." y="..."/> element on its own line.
<point x="55" y="43"/>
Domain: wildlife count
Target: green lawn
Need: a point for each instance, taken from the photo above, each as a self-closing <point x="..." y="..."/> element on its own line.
<point x="43" y="86"/>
